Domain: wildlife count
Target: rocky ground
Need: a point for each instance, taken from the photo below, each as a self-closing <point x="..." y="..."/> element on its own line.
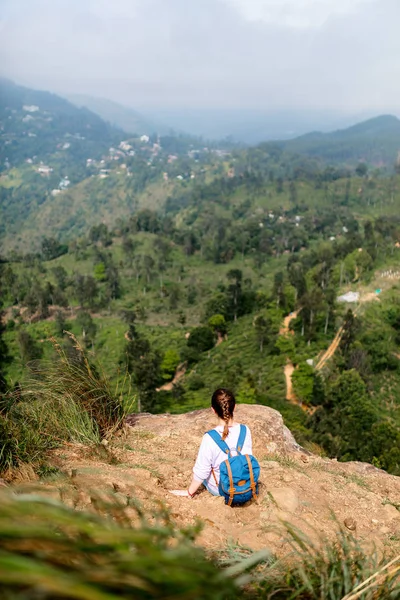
<point x="155" y="453"/>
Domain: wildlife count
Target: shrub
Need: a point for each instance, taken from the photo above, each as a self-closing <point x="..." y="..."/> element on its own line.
<point x="195" y="382"/>
<point x="169" y="364"/>
<point x="201" y="339"/>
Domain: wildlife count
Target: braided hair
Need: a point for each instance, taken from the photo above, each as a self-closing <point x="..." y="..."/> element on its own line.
<point x="223" y="402"/>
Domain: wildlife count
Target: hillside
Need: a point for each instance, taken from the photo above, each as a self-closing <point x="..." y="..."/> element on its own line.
<point x="123" y="117"/>
<point x="376" y="142"/>
<point x="36" y="125"/>
<point x="64" y="169"/>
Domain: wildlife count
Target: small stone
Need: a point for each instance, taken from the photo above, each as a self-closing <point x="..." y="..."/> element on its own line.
<point x="350" y="524"/>
<point x="304" y="458"/>
<point x="74" y="473"/>
<point x="104" y="442"/>
<point x="374" y="521"/>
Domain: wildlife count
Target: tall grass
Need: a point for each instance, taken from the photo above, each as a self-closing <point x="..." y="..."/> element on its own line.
<point x="330" y="570"/>
<point x="49" y="551"/>
<point x="64" y="400"/>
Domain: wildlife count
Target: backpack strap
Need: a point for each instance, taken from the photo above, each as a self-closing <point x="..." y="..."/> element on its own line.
<point x="242" y="437"/>
<point x="219" y="441"/>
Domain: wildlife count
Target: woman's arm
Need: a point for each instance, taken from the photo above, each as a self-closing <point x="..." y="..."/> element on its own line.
<point x="190" y="492"/>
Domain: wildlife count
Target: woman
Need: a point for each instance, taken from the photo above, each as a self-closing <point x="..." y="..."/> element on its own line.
<point x="210" y="456"/>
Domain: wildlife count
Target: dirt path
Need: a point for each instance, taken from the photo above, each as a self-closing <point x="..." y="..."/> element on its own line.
<point x="331" y="350"/>
<point x="284" y="330"/>
<point x="180" y="372"/>
<point x="289" y="367"/>
<point x="221" y="338"/>
<point x="288" y="370"/>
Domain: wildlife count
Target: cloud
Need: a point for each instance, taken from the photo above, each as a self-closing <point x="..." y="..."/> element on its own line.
<point x="208" y="53"/>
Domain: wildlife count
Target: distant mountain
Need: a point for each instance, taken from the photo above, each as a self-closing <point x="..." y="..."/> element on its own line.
<point x="251" y="126"/>
<point x="127" y="119"/>
<point x="376" y="141"/>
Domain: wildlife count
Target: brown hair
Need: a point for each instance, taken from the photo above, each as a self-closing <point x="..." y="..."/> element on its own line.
<point x="223" y="402"/>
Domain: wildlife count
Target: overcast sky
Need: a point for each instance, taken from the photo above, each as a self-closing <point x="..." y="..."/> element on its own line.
<point x="326" y="54"/>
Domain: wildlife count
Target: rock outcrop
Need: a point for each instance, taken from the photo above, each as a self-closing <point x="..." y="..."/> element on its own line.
<point x="155" y="453"/>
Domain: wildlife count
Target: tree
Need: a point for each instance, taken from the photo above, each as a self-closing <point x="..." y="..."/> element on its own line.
<point x="88" y="327"/>
<point x="100" y="272"/>
<point x="343" y="425"/>
<point x="218" y="324"/>
<point x="278" y="290"/>
<point x="169" y="364"/>
<point x="182" y="318"/>
<point x="51" y="248"/>
<point x="263" y="330"/>
<point x="61" y="276"/>
<point x="361" y="170"/>
<point x="201" y="339"/>
<point x="29" y="348"/>
<point x="303" y="382"/>
<point x="143" y="363"/>
<point x="60" y="323"/>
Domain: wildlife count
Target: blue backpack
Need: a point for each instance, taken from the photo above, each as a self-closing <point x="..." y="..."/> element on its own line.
<point x="238" y="481"/>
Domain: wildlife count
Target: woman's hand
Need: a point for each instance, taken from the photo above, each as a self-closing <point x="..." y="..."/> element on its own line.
<point x="183" y="493"/>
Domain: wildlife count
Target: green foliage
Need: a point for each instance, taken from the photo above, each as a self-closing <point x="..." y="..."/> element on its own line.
<point x="143" y="363"/>
<point x="169" y="364"/>
<point x="303" y="382"/>
<point x="100" y="272"/>
<point x="87" y="326"/>
<point x="30" y="349"/>
<point x="195" y="382"/>
<point x="218" y="324"/>
<point x="201" y="339"/>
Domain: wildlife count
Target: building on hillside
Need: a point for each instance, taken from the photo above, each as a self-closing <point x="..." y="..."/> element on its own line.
<point x="30" y="108"/>
<point x="349" y="297"/>
<point x="44" y="170"/>
<point x="64" y="183"/>
<point x="125" y="146"/>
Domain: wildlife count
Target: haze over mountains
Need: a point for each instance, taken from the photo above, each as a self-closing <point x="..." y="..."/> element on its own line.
<point x="240" y="125"/>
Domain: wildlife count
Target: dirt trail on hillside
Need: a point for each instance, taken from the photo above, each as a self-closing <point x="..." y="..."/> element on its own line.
<point x="288" y="370"/>
<point x="179" y="374"/>
<point x="331" y="350"/>
<point x="156" y="453"/>
<point x="284" y="330"/>
<point x="221" y="338"/>
<point x="289" y="367"/>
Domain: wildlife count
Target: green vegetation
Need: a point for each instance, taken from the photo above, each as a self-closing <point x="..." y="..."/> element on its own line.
<point x="161" y="255"/>
<point x="374" y="141"/>
<point x="65" y="399"/>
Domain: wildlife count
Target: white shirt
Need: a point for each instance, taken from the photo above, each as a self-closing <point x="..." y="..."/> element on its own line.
<point x="210" y="456"/>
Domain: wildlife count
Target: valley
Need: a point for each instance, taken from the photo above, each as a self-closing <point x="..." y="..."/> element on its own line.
<point x="140" y="272"/>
